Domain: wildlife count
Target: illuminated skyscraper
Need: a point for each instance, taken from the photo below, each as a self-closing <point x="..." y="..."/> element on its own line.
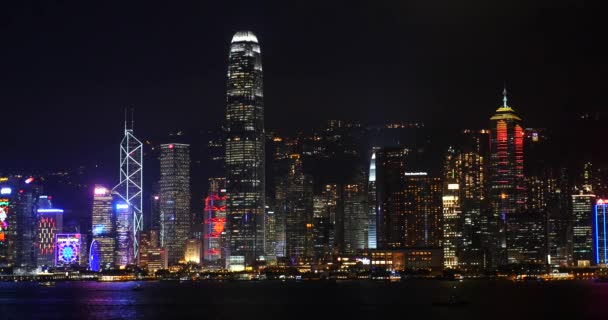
<point x="245" y="149"/>
<point x="130" y="192"/>
<point x="102" y="224"/>
<point x="6" y="211"/>
<point x="372" y="201"/>
<point x="600" y="234"/>
<point x="422" y="210"/>
<point x="296" y="205"/>
<point x="215" y="221"/>
<point x="355" y="217"/>
<point x="462" y="202"/>
<point x="390" y="172"/>
<point x="50" y="222"/>
<point x="321" y="227"/>
<point x="176" y="218"/>
<point x="26" y="200"/>
<point x="452" y="222"/>
<point x="507" y="188"/>
<point x="103" y="230"/>
<point x="124" y="253"/>
<point x="582" y="237"/>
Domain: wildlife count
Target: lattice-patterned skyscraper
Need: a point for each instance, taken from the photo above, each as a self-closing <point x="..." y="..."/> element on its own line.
<point x="130" y="191"/>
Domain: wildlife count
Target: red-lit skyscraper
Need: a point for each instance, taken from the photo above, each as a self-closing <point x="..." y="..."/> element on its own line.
<point x="215" y="221"/>
<point x="506" y="189"/>
<point x="50" y="222"/>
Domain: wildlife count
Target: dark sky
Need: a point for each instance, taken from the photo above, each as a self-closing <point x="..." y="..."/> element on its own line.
<point x="68" y="68"/>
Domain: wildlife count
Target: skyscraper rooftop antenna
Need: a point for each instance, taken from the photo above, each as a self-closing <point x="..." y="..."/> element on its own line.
<point x="504" y="95"/>
<point x="132" y="118"/>
<point x="125" y="119"/>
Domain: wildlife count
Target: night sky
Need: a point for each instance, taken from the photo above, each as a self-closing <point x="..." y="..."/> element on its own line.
<point x="69" y="68"/>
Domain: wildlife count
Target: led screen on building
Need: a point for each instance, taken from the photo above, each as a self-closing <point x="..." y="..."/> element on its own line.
<point x="67" y="250"/>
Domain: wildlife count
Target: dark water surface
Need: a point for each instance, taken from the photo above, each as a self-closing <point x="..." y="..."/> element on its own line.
<point x="429" y="299"/>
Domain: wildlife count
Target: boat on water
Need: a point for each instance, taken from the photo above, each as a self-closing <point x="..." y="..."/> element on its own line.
<point x="47" y="283"/>
<point x="394" y="277"/>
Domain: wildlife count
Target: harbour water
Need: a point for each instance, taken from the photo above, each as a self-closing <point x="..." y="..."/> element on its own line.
<point x="431" y="299"/>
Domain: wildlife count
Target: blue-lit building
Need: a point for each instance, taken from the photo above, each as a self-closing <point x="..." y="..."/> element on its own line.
<point x="94" y="256"/>
<point x="600" y="235"/>
<point x="372" y="204"/>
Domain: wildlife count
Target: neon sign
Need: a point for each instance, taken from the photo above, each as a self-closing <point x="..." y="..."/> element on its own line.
<point x="50" y="210"/>
<point x="6" y="190"/>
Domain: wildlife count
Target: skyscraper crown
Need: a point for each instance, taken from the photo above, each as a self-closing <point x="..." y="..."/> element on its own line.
<point x="244" y="36"/>
<point x="505" y="112"/>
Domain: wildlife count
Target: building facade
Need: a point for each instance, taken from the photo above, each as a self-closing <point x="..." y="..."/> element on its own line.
<point x="193" y="251"/>
<point x="123" y="235"/>
<point x="215" y="221"/>
<point x="356" y="217"/>
<point x="245" y="155"/>
<point x="506" y="188"/>
<point x="390" y="171"/>
<point x="176" y="218"/>
<point x="582" y="229"/>
<point x="50" y="223"/>
<point x="423" y="210"/>
<point x="103" y="229"/>
<point x="296" y="205"/>
<point x="372" y="204"/>
<point x="600" y="238"/>
<point x="129" y="191"/>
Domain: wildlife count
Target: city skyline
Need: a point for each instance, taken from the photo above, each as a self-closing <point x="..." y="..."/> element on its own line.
<point x="354" y="159"/>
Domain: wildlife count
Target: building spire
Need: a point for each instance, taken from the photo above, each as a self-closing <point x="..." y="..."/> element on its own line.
<point x="125" y="119"/>
<point x="504" y="96"/>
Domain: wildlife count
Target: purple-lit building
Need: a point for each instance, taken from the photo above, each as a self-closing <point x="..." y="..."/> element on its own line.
<point x="124" y="233"/>
<point x="67" y="249"/>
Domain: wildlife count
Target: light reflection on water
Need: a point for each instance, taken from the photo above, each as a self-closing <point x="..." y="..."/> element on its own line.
<point x="309" y="299"/>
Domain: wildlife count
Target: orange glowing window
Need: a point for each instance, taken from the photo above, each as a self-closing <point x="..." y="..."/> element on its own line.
<point x="218" y="228"/>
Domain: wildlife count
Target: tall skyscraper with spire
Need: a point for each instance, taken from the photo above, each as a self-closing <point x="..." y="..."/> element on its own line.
<point x="129" y="219"/>
<point x="507" y="189"/>
<point x="245" y="151"/>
